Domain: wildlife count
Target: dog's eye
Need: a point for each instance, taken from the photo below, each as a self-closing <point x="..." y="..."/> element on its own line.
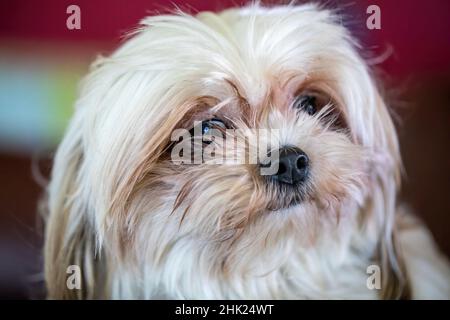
<point x="212" y="124"/>
<point x="306" y="103"/>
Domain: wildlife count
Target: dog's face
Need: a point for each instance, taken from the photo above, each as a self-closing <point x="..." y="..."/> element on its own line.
<point x="292" y="70"/>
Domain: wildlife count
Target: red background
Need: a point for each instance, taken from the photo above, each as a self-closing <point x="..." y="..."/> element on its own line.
<point x="417" y="71"/>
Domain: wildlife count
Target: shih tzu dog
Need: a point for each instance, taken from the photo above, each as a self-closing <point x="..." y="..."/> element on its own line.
<point x="323" y="224"/>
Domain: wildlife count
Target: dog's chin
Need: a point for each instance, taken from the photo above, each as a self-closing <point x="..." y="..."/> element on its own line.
<point x="288" y="196"/>
<point x="282" y="205"/>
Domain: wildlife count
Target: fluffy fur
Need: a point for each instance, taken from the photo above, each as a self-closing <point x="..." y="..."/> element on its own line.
<point x="140" y="226"/>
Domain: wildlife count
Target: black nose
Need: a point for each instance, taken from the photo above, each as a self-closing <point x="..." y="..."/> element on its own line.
<point x="293" y="166"/>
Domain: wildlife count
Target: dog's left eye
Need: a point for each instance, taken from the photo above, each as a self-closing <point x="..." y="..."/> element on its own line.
<point x="306" y="103"/>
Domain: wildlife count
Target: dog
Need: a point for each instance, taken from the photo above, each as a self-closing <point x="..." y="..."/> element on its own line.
<point x="325" y="224"/>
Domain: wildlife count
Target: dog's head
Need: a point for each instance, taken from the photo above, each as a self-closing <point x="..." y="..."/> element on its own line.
<point x="287" y="76"/>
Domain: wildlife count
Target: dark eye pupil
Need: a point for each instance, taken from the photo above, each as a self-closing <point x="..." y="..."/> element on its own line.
<point x="213" y="123"/>
<point x="306" y="103"/>
<point x="205" y="127"/>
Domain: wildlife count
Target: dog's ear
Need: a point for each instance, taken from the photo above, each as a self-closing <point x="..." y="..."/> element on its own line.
<point x="69" y="242"/>
<point x="91" y="186"/>
<point x="384" y="202"/>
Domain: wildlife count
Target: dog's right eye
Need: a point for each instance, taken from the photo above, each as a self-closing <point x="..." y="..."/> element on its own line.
<point x="208" y="125"/>
<point x="213" y="124"/>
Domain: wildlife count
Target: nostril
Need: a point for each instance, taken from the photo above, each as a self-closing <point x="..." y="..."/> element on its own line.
<point x="302" y="161"/>
<point x="281" y="168"/>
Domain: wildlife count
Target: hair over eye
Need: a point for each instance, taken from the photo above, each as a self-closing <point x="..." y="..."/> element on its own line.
<point x="312" y="103"/>
<point x="307" y="103"/>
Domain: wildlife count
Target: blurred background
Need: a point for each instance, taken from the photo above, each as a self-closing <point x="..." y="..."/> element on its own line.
<point x="41" y="62"/>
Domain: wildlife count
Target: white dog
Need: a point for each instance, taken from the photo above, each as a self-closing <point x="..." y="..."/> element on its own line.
<point x="325" y="225"/>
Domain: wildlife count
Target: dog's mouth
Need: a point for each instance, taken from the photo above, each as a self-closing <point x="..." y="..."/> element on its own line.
<point x="284" y="205"/>
<point x="286" y="196"/>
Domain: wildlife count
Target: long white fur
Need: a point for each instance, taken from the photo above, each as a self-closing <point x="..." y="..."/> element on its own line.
<point x="301" y="252"/>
